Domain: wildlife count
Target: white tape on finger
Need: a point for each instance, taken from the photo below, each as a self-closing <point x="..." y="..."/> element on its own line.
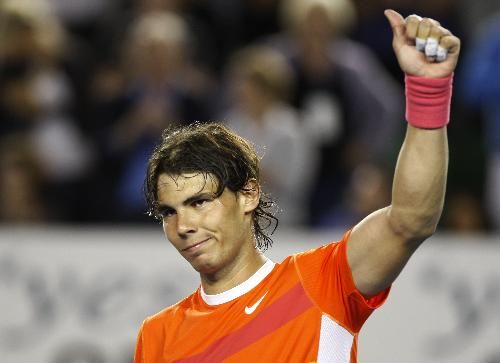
<point x="441" y="54"/>
<point x="420" y="44"/>
<point x="431" y="47"/>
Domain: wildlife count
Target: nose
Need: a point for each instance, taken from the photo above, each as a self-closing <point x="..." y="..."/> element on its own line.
<point x="185" y="224"/>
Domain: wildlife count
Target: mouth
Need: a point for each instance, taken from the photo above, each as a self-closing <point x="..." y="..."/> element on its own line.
<point x="195" y="246"/>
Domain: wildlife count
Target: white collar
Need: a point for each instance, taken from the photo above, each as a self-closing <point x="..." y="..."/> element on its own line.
<point x="240" y="289"/>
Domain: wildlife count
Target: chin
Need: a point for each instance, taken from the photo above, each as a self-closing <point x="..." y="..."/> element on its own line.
<point x="204" y="265"/>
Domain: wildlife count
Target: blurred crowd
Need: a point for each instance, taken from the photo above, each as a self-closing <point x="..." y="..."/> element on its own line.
<point x="86" y="88"/>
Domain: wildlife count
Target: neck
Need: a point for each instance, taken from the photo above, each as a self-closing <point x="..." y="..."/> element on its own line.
<point x="234" y="274"/>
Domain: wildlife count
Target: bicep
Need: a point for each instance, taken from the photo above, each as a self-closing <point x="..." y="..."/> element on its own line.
<point x="377" y="253"/>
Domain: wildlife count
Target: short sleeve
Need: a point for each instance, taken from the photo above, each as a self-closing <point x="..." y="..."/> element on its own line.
<point x="327" y="278"/>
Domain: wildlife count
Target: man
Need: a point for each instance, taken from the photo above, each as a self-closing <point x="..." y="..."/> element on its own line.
<point x="203" y="181"/>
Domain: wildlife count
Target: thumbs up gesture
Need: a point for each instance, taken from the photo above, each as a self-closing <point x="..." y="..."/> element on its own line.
<point x="422" y="46"/>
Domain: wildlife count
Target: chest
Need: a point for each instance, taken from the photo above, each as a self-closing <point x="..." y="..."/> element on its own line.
<point x="271" y="325"/>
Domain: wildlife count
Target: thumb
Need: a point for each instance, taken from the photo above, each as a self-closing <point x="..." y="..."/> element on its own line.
<point x="397" y="22"/>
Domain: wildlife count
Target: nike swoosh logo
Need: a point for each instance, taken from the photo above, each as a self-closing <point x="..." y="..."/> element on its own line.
<point x="250" y="309"/>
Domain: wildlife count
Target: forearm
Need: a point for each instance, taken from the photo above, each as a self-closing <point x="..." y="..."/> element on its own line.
<point x="419" y="183"/>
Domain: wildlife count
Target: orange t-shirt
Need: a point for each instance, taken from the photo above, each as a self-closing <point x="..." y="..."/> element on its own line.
<point x="304" y="309"/>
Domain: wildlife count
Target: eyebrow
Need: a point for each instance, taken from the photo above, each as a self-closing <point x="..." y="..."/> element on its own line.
<point x="163" y="207"/>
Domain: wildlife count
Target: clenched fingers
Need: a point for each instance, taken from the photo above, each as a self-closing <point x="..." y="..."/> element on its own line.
<point x="430" y="37"/>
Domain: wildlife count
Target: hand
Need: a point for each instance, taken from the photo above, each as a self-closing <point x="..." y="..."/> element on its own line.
<point x="415" y="62"/>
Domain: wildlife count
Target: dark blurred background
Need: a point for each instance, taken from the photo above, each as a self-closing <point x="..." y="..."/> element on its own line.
<point x="86" y="88"/>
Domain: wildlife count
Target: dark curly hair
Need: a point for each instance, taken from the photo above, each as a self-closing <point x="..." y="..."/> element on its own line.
<point x="215" y="151"/>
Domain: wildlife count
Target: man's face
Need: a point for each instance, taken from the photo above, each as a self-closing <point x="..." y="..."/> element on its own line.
<point x="209" y="232"/>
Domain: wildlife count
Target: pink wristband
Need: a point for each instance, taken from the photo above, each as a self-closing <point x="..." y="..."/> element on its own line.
<point x="428" y="101"/>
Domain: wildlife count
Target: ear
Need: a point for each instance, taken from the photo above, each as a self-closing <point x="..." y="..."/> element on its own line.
<point x="250" y="195"/>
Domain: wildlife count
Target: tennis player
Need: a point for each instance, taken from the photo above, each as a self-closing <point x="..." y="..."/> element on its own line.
<point x="203" y="182"/>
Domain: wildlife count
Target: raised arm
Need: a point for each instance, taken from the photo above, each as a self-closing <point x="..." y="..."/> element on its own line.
<point x="381" y="244"/>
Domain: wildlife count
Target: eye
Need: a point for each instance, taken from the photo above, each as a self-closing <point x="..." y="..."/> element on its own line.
<point x="200" y="202"/>
<point x="165" y="213"/>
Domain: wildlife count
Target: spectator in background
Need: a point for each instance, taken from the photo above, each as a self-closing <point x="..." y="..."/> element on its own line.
<point x="36" y="96"/>
<point x="464" y="213"/>
<point x="350" y="106"/>
<point x="480" y="88"/>
<point x="223" y="27"/>
<point x="261" y="82"/>
<point x="21" y="182"/>
<point x="160" y="86"/>
<point x="368" y="190"/>
<point x="107" y="35"/>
